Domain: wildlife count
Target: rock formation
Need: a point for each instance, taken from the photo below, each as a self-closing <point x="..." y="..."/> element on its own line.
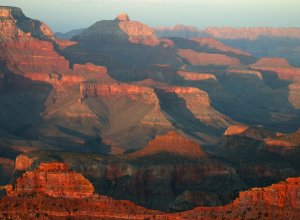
<point x="205" y="59"/>
<point x="52" y="179"/>
<point x="195" y="101"/>
<point x="158" y="177"/>
<point x="120" y="29"/>
<point x="279" y="66"/>
<point x="279" y="201"/>
<point x="194" y="76"/>
<point x="172" y="143"/>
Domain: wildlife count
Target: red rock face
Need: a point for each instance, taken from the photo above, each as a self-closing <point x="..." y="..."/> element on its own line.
<point x="197" y="102"/>
<point x="134" y="93"/>
<point x="252" y="33"/>
<point x="204" y="59"/>
<point x="279" y="201"/>
<point x="280" y="66"/>
<point x="26" y="54"/>
<point x="117" y="91"/>
<point x="55" y="180"/>
<point x="123" y="29"/>
<point x="23" y="163"/>
<point x="213" y="43"/>
<point x="248" y="131"/>
<point x="173" y="143"/>
<point x="236" y="129"/>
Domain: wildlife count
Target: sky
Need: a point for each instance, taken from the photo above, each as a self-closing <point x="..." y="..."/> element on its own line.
<point x="66" y="15"/>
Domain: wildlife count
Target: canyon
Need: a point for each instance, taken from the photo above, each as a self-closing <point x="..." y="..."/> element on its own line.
<point x="280" y="201"/>
<point x="125" y="121"/>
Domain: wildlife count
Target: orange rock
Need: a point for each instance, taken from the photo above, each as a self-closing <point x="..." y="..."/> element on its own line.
<point x="53" y="179"/>
<point x="123" y="29"/>
<point x="280" y="66"/>
<point x="279" y="201"/>
<point x="197" y="102"/>
<point x="23" y="163"/>
<point x="236" y="130"/>
<point x="173" y="143"/>
<point x="194" y="76"/>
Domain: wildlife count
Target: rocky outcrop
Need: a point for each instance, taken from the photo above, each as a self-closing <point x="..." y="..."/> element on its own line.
<point x="252" y="33"/>
<point x="156" y="176"/>
<point x="195" y="101"/>
<point x="194" y="76"/>
<point x="279" y="66"/>
<point x="120" y="29"/>
<point x="261" y="157"/>
<point x="134" y="93"/>
<point x="52" y="179"/>
<point x="248" y="131"/>
<point x="283" y="144"/>
<point x="172" y="143"/>
<point x="246" y="72"/>
<point x="278" y="201"/>
<point x="206" y="59"/>
<point x="23" y="163"/>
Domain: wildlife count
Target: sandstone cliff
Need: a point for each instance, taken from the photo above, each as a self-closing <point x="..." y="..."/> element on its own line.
<point x="120" y="29"/>
<point x="52" y="179"/>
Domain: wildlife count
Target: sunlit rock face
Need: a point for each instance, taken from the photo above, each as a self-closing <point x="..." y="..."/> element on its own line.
<point x="278" y="201"/>
<point x="173" y="143"/>
<point x="53" y="179"/>
<point x="121" y="28"/>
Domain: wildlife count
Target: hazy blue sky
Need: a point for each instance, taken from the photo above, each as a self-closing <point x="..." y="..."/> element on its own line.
<point x="64" y="15"/>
